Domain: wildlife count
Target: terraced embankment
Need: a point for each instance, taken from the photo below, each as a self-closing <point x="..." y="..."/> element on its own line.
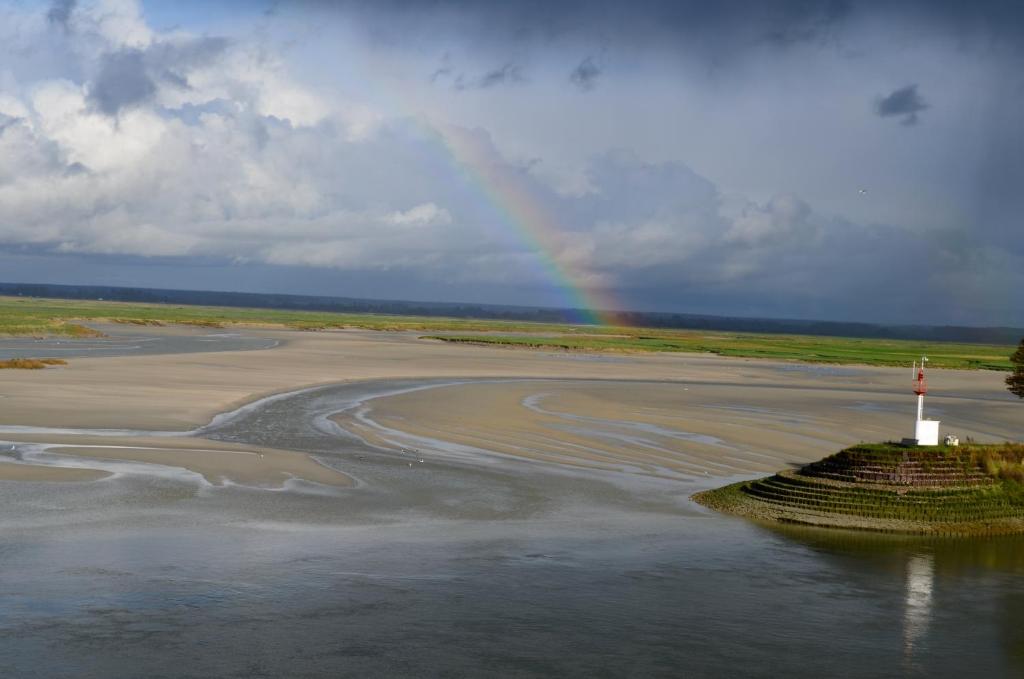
<point x="967" y="490"/>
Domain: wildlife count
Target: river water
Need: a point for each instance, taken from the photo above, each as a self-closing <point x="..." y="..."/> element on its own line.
<point x="449" y="568"/>
<point x="123" y="340"/>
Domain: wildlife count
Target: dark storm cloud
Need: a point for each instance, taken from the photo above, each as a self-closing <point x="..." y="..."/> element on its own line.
<point x="171" y="62"/>
<point x="130" y="77"/>
<point x="60" y="12"/>
<point x="187" y="55"/>
<point x="442" y="72"/>
<point x="905" y="102"/>
<point x="75" y="169"/>
<point x="6" y="121"/>
<point x="784" y="20"/>
<point x="724" y="30"/>
<point x="123" y="81"/>
<point x="508" y="73"/>
<point x="585" y="75"/>
<point x="807" y="27"/>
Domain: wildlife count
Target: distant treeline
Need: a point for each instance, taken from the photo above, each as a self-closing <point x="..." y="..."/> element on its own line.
<point x="946" y="333"/>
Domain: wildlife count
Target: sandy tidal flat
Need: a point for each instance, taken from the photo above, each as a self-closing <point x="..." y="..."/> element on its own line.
<point x="179" y="392"/>
<point x="647" y="428"/>
<point x="664" y="415"/>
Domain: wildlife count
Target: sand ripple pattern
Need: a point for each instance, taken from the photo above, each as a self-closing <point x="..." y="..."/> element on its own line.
<point x="653" y="429"/>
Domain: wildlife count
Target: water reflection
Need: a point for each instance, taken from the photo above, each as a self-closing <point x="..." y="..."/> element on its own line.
<point x="945" y="582"/>
<point x="917" y="611"/>
<point x="948" y="556"/>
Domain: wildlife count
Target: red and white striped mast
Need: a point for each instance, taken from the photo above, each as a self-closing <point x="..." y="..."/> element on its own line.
<point x="920" y="386"/>
<point x="926" y="432"/>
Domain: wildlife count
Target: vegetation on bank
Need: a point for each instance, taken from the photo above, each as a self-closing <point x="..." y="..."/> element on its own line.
<point x="1005" y="462"/>
<point x="35" y="316"/>
<point x="38" y="317"/>
<point x="835" y="350"/>
<point x="30" y="363"/>
<point x="1015" y="380"/>
<point x="970" y="489"/>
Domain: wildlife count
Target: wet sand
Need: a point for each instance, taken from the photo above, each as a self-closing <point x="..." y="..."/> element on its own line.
<point x="127" y="340"/>
<point x="13" y="471"/>
<point x="45" y="458"/>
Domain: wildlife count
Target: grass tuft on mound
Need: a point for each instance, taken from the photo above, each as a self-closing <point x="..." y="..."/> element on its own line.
<point x="964" y="490"/>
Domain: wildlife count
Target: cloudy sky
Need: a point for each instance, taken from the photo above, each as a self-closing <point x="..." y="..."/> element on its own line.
<point x="838" y="160"/>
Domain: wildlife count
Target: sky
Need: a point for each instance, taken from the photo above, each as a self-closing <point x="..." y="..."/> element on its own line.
<point x="833" y="160"/>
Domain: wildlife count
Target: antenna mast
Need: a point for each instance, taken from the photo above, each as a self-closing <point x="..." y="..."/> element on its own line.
<point x="920" y="386"/>
<point x="926" y="432"/>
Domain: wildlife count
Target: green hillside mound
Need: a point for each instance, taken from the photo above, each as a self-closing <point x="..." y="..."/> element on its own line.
<point x="960" y="490"/>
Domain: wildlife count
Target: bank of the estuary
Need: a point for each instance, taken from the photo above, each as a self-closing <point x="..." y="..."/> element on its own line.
<point x="55" y="318"/>
<point x="943" y="490"/>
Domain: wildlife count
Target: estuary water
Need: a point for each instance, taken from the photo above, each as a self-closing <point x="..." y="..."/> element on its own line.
<point x="122" y="340"/>
<point x="454" y="568"/>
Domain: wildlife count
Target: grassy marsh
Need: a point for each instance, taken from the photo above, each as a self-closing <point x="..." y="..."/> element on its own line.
<point x="35" y="316"/>
<point x="808" y="349"/>
<point x="55" y="317"/>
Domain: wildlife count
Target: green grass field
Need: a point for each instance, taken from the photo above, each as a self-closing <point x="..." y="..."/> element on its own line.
<point x="31" y="316"/>
<point x="836" y="350"/>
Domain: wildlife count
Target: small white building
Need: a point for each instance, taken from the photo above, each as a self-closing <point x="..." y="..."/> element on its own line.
<point x="927" y="432"/>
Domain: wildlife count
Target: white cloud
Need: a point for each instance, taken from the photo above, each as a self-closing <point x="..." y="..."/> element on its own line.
<point x="117" y="22"/>
<point x="250" y="78"/>
<point x="421" y="215"/>
<point x="12" y="107"/>
<point x="93" y="139"/>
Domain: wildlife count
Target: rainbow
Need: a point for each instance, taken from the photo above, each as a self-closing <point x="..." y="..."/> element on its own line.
<point x="506" y="189"/>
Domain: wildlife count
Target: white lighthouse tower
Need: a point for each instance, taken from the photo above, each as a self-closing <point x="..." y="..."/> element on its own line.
<point x="926" y="432"/>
